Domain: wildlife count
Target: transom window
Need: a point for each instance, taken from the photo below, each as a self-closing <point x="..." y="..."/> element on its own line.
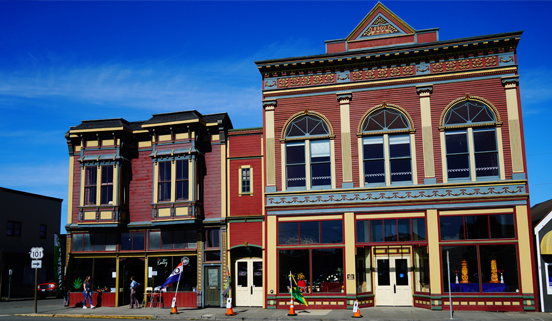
<point x="471" y="152"/>
<point x="386" y="148"/>
<point x="308" y="162"/>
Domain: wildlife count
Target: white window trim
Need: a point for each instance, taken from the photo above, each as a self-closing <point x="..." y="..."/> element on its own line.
<point x="308" y="184"/>
<point x="240" y="171"/>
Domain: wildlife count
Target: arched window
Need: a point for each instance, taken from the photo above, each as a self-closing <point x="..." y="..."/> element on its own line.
<point x="470" y="141"/>
<point x="386" y="147"/>
<point x="308" y="156"/>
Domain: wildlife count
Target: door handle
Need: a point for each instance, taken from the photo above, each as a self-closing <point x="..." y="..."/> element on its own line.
<point x="251" y="290"/>
<point x="394" y="288"/>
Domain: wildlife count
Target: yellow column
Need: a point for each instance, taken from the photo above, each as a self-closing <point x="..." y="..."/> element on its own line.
<point x="116" y="192"/>
<point x="271" y="254"/>
<point x="346" y="158"/>
<point x="512" y="104"/>
<point x="427" y="131"/>
<point x="434" y="252"/>
<point x="526" y="267"/>
<point x="269" y="107"/>
<point x="350" y="267"/>
<point x="70" y="196"/>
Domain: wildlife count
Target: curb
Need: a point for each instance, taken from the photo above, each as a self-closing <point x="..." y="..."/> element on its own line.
<point x="89" y="316"/>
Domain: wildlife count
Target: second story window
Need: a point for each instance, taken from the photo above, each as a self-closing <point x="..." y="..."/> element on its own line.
<point x="164" y="183"/>
<point x="308" y="156"/>
<point x="386" y="147"/>
<point x="107" y="185"/>
<point x="90" y="184"/>
<point x="14" y="229"/>
<point x="182" y="180"/>
<point x="42" y="231"/>
<point x="471" y="141"/>
<point x="245" y="187"/>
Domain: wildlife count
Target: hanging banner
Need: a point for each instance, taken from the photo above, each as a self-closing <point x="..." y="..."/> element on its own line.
<point x="58" y="275"/>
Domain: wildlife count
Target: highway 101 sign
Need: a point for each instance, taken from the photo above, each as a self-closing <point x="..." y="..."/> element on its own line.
<point x="37" y="253"/>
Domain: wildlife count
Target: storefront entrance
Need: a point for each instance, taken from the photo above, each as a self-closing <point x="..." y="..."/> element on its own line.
<point x="130" y="267"/>
<point x="393" y="281"/>
<point x="249" y="282"/>
<point x="212" y="288"/>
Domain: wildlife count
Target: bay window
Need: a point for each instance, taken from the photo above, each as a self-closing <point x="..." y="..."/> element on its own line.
<point x="172" y="179"/>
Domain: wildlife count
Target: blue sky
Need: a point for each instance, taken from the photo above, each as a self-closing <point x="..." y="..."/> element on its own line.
<point x="63" y="62"/>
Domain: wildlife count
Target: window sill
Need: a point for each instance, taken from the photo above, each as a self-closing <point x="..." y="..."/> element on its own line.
<point x="403" y="183"/>
<point x="321" y="187"/>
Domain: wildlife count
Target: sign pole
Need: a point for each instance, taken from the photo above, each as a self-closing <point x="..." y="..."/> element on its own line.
<point x="36" y="285"/>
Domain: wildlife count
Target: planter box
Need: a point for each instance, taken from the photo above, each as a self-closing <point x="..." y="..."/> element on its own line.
<point x="99" y="299"/>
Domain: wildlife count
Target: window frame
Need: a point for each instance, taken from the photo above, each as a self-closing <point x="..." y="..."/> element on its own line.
<point x="241" y="171"/>
<point x="320" y="233"/>
<point x="90" y="184"/>
<point x="210" y="232"/>
<point x="471" y="128"/>
<point x="173" y="162"/>
<point x="387" y="135"/>
<point x="93" y="244"/>
<point x="107" y="183"/>
<point x="369" y="242"/>
<point x="99" y="185"/>
<point x="15" y="229"/>
<point x="464" y="235"/>
<point x="289" y="140"/>
<point x="43" y="234"/>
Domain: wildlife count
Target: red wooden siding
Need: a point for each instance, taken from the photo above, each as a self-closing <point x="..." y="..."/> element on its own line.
<point x="76" y="189"/>
<point x="326" y="105"/>
<point x="141" y="188"/>
<point x="246" y="204"/>
<point x="244" y="145"/>
<point x="250" y="232"/>
<point x="211" y="183"/>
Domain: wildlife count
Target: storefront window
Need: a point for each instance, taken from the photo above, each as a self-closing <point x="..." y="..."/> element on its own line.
<point x="421" y="269"/>
<point x="169" y="240"/>
<point x="363" y="270"/>
<point x="132" y="241"/>
<point x="97" y="242"/>
<point x="296" y="262"/>
<point x="327" y="270"/>
<point x="464" y="271"/>
<point x="309" y="232"/>
<point x="160" y="268"/>
<point x="391" y="230"/>
<point x="499" y="270"/>
<point x="476" y="227"/>
<point x="99" y="269"/>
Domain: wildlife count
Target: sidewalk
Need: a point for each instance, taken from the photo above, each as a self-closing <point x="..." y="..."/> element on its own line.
<point x="55" y="308"/>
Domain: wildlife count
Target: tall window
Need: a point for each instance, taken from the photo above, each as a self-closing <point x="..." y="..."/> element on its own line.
<point x="212" y="244"/>
<point x="107" y="185"/>
<point x="386" y="148"/>
<point x="309" y="155"/>
<point x="164" y="182"/>
<point x="90" y="183"/>
<point x="14" y="229"/>
<point x="245" y="181"/>
<point x="42" y="231"/>
<point x="471" y="152"/>
<point x="181" y="180"/>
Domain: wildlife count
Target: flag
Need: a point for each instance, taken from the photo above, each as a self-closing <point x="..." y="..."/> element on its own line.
<point x="296" y="292"/>
<point x="175" y="276"/>
<point x="58" y="276"/>
<point x="228" y="284"/>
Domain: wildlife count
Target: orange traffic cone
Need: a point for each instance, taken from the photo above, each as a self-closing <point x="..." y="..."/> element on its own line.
<point x="356" y="310"/>
<point x="291" y="310"/>
<point x="229" y="310"/>
<point x="173" y="306"/>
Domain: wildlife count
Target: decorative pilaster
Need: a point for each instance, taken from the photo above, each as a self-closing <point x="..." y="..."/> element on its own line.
<point x="270" y="157"/>
<point x="427" y="136"/>
<point x="199" y="265"/>
<point x="510" y="84"/>
<point x="346" y="158"/>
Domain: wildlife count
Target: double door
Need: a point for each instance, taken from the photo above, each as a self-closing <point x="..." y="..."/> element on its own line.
<point x="249" y="282"/>
<point x="393" y="281"/>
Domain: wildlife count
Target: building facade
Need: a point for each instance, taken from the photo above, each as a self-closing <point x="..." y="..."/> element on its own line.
<point x="389" y="156"/>
<point x="378" y="164"/>
<point x="146" y="196"/>
<point x="28" y="220"/>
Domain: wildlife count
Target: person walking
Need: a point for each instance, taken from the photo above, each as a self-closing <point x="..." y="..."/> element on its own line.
<point x="133" y="288"/>
<point x="87" y="293"/>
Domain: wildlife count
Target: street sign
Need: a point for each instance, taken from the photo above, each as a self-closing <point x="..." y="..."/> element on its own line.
<point x="36" y="264"/>
<point x="37" y="253"/>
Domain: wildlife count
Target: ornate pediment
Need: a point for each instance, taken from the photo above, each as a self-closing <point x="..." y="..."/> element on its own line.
<point x="380" y="22"/>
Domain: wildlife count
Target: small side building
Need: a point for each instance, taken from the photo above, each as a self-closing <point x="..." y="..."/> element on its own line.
<point x="28" y="220"/>
<point x="542" y="227"/>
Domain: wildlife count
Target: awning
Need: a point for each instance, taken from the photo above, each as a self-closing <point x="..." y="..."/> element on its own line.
<point x="546" y="243"/>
